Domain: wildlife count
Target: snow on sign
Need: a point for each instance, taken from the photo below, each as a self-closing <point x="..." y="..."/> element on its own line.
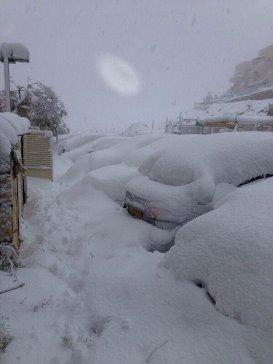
<point x="37" y="151"/>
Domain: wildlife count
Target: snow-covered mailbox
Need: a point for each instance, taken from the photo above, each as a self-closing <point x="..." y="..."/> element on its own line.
<point x="12" y="179"/>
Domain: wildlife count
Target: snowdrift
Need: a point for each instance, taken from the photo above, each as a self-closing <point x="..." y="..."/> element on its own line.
<point x="112" y="180"/>
<point x="180" y="183"/>
<point x="230" y="252"/>
<point x="75" y="141"/>
<point x="245" y="108"/>
<point x="107" y="151"/>
<point x="99" y="143"/>
<point x="115" y="301"/>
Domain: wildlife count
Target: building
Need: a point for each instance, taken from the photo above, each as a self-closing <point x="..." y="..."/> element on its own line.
<point x="254" y="74"/>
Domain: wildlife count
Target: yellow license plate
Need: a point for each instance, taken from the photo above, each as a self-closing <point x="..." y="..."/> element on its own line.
<point x="137" y="214"/>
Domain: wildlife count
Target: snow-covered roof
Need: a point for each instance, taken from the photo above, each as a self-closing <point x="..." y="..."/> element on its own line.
<point x="136" y="129"/>
<point x="11" y="125"/>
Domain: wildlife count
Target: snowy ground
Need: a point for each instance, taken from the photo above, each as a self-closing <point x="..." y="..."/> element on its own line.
<point x="95" y="293"/>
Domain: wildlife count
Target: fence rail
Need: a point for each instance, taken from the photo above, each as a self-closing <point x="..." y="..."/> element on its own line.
<point x="194" y="129"/>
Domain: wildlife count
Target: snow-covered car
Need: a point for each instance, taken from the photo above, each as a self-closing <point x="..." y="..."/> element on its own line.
<point x="180" y="183"/>
<point x="110" y="150"/>
<point x="70" y="142"/>
<point x="229" y="253"/>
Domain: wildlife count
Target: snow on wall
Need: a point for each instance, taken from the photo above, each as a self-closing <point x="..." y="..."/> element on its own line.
<point x="11" y="125"/>
<point x="230" y="251"/>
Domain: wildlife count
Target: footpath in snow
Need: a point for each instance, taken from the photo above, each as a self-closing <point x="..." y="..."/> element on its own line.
<point x="95" y="293"/>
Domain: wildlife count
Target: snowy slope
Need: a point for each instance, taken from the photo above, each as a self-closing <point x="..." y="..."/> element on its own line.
<point x="251" y="108"/>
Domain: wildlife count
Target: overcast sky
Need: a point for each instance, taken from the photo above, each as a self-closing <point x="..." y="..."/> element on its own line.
<point x="174" y="52"/>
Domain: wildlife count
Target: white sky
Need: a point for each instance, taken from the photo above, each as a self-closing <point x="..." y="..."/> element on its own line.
<point x="179" y="49"/>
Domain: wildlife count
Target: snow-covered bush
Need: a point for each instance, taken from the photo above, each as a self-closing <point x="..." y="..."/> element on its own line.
<point x="229" y="251"/>
<point x="40" y="104"/>
<point x="47" y="111"/>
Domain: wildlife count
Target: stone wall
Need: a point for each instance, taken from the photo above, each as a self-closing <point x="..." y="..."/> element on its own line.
<point x="5" y="200"/>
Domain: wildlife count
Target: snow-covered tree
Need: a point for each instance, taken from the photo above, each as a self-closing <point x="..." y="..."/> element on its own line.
<point x="46" y="109"/>
<point x="40" y="104"/>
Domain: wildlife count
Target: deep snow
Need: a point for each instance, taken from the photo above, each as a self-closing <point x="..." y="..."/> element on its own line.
<point x="230" y="251"/>
<point x="245" y="108"/>
<point x="95" y="293"/>
<point x="178" y="182"/>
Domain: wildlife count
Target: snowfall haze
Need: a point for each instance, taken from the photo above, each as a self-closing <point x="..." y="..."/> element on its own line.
<point x="115" y="62"/>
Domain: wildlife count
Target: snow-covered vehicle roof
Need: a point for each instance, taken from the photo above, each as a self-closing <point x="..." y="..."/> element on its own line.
<point x="115" y="161"/>
<point x="229" y="252"/>
<point x="107" y="151"/>
<point x="71" y="142"/>
<point x="179" y="184"/>
<point x="11" y="126"/>
<point x="99" y="143"/>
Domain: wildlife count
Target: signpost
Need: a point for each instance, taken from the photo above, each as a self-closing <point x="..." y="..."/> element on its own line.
<point x="11" y="53"/>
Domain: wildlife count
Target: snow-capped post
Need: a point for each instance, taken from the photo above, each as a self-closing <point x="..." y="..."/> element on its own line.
<point x="11" y="53"/>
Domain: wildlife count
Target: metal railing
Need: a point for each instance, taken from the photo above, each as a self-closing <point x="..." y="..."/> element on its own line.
<point x="193" y="129"/>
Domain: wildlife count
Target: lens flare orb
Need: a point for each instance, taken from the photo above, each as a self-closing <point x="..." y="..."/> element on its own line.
<point x="119" y="75"/>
